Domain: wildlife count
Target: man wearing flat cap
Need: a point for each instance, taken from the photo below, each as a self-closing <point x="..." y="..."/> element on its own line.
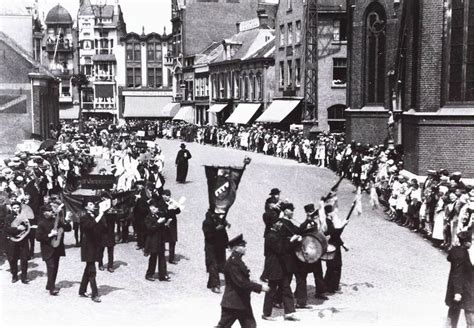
<point x="235" y="303"/>
<point x="460" y="290"/>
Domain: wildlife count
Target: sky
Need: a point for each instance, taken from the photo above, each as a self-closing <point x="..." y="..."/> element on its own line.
<point x="153" y="14"/>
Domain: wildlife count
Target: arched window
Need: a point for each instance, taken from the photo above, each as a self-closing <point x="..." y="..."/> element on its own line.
<point x="461" y="51"/>
<point x="375" y="25"/>
<point x="336" y="118"/>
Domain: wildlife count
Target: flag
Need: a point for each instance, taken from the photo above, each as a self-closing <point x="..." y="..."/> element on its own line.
<point x="222" y="184"/>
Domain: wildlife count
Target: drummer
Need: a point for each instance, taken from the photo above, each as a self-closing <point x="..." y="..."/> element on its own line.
<point x="313" y="224"/>
<point x="335" y="226"/>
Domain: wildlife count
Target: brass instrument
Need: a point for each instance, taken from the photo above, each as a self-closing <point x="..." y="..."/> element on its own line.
<point x="174" y="204"/>
<point x="23" y="218"/>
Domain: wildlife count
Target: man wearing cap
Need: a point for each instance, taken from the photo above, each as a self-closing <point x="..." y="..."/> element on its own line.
<point x="155" y="242"/>
<point x="235" y="303"/>
<point x="460" y="290"/>
<point x="272" y="209"/>
<point x="51" y="255"/>
<point x="16" y="250"/>
<point x="215" y="241"/>
<point x="181" y="162"/>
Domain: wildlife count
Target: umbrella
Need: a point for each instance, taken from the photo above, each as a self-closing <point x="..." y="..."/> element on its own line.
<point x="48" y="144"/>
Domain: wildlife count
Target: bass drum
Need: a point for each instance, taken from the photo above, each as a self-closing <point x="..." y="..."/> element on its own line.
<point x="312" y="247"/>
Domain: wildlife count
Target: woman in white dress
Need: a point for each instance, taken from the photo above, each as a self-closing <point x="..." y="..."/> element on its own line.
<point x="439" y="216"/>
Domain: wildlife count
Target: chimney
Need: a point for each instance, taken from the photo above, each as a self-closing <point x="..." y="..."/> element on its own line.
<point x="238" y="27"/>
<point x="262" y="18"/>
<point x="116" y="8"/>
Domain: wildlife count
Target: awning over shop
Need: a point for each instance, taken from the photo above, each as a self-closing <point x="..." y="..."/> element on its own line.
<point x="216" y="108"/>
<point x="243" y="113"/>
<point x="278" y="110"/>
<point x="146" y="106"/>
<point x="170" y="110"/>
<point x="69" y="114"/>
<point x="185" y="113"/>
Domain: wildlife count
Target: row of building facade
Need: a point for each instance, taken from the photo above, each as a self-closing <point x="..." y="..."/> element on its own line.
<point x="407" y="60"/>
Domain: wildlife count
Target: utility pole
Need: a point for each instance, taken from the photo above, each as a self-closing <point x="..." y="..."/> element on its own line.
<point x="310" y="109"/>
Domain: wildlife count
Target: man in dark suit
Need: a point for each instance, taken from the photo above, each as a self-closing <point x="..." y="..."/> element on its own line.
<point x="280" y="265"/>
<point x="140" y="211"/>
<point x="460" y="291"/>
<point x="235" y="303"/>
<point x="155" y="243"/>
<point x="107" y="238"/>
<point x="215" y="242"/>
<point x="182" y="164"/>
<point x="51" y="255"/>
<point x="312" y="224"/>
<point x="90" y="248"/>
<point x="171" y="224"/>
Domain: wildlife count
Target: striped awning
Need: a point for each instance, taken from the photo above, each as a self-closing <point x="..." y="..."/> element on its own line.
<point x="278" y="110"/>
<point x="244" y="113"/>
<point x="185" y="113"/>
<point x="171" y="109"/>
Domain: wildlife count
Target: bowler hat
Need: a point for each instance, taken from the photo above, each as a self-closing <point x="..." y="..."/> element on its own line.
<point x="237" y="241"/>
<point x="275" y="191"/>
<point x="183" y="145"/>
<point x="167" y="192"/>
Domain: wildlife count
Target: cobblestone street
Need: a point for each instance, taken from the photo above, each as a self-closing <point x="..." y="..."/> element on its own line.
<point x="391" y="276"/>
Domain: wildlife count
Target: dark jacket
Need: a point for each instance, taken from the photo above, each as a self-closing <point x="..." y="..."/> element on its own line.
<point x="107" y="228"/>
<point x="274" y="267"/>
<point x="155" y="237"/>
<point x="238" y="285"/>
<point x="215" y="241"/>
<point x="291" y="262"/>
<point x="14" y="249"/>
<point x="171" y="231"/>
<point x="461" y="279"/>
<point x="90" y="243"/>
<point x="183" y="156"/>
<point x="44" y="228"/>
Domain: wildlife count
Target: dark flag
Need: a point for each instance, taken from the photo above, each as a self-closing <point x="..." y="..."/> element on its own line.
<point x="222" y="184"/>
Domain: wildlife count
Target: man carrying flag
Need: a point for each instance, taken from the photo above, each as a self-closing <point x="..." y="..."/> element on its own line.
<point x="222" y="183"/>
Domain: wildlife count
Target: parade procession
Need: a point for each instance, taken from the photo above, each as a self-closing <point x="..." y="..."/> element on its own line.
<point x="226" y="163"/>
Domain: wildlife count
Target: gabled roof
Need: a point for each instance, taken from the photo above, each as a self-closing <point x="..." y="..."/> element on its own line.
<point x="23" y="53"/>
<point x="266" y="51"/>
<point x="209" y="53"/>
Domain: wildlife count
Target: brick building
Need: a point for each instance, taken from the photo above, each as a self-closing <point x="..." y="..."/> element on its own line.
<point x="290" y="59"/>
<point x="193" y="33"/>
<point x="144" y="81"/>
<point x="242" y="74"/>
<point x="29" y="96"/>
<point x="99" y="31"/>
<point x="414" y="57"/>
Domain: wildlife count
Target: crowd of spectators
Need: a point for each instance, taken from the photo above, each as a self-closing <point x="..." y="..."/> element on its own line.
<point x="437" y="207"/>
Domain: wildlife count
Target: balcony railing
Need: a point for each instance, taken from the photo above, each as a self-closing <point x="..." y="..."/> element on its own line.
<point x="64" y="46"/>
<point x="104" y="78"/>
<point x="62" y="72"/>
